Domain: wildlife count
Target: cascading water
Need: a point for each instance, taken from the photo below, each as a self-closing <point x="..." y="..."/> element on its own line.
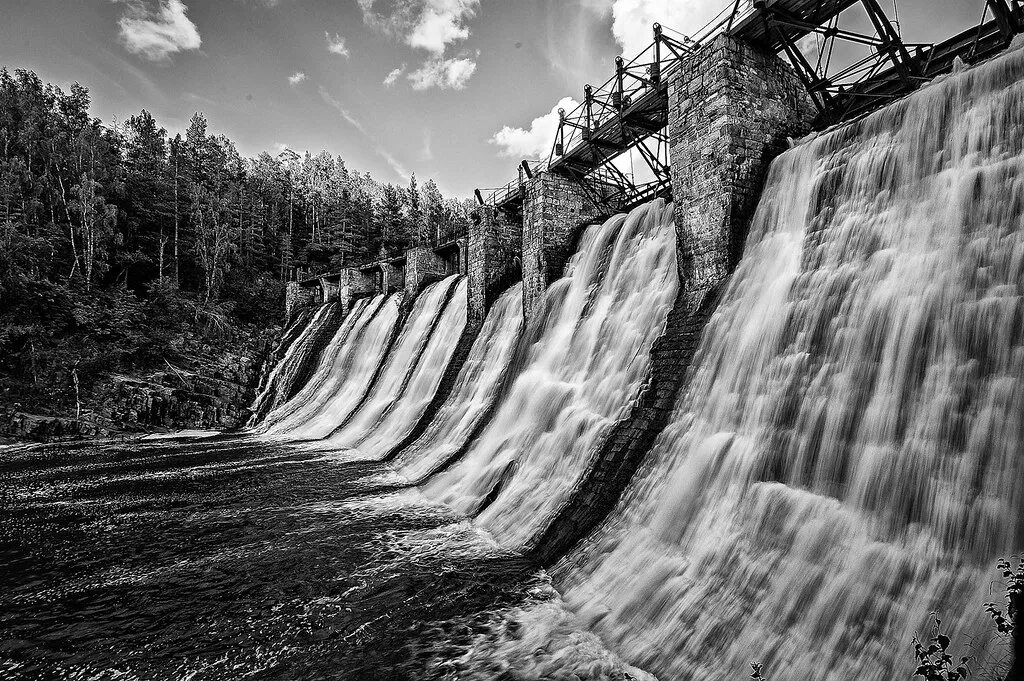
<point x="590" y="357"/>
<point x="846" y="458"/>
<point x="282" y="378"/>
<point x="291" y="333"/>
<point x="341" y="381"/>
<point x="412" y="373"/>
<point x="475" y="391"/>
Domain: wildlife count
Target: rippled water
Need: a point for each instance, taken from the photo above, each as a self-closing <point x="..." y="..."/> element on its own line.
<point x="226" y="558"/>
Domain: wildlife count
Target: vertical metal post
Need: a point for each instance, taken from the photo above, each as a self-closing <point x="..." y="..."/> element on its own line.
<point x="897" y="51"/>
<point x="620" y="83"/>
<point x="588" y="99"/>
<point x="656" y="66"/>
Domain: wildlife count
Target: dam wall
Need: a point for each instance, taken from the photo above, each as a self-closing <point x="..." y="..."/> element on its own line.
<point x="732" y="108"/>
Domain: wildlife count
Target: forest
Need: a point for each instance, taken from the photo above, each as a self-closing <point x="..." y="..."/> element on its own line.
<point x="120" y="242"/>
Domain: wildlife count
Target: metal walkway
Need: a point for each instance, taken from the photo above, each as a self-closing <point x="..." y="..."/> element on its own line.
<point x="629" y="111"/>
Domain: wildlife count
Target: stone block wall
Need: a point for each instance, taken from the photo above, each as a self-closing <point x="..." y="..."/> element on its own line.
<point x="329" y="290"/>
<point x="394" y="277"/>
<point x="297" y="297"/>
<point x="354" y="284"/>
<point x="422" y="267"/>
<point x="554" y="210"/>
<point x="493" y="260"/>
<point x="731" y="108"/>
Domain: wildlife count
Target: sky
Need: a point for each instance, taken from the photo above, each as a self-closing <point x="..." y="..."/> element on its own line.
<point x="454" y="90"/>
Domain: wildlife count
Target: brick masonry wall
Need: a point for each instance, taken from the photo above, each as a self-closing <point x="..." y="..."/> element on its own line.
<point x="731" y="108"/>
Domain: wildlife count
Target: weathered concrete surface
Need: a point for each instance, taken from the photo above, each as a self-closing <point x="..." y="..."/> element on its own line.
<point x="732" y="107"/>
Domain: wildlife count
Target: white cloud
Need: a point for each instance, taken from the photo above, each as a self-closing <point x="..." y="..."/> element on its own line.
<point x="535" y="142"/>
<point x="395" y="164"/>
<point x="445" y="74"/>
<point x="442" y="22"/>
<point x="394" y="75"/>
<point x="632" y="20"/>
<point x="431" y="25"/>
<point x="296" y="78"/>
<point x="336" y="44"/>
<point x="158" y="32"/>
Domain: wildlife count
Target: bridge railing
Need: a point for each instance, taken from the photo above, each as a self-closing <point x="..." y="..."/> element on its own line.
<point x="497" y="196"/>
<point x="636" y="78"/>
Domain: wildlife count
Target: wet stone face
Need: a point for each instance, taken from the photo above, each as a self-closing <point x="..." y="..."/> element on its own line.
<point x="227" y="558"/>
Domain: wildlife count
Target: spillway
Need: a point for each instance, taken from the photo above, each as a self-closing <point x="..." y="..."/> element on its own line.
<point x="582" y="365"/>
<point x="412" y="373"/>
<point x="846" y="457"/>
<point x="282" y="380"/>
<point x="475" y="392"/>
<point x="342" y="378"/>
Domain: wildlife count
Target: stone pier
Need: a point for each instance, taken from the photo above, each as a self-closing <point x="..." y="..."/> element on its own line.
<point x="422" y="267"/>
<point x="297" y="297"/>
<point x="352" y="285"/>
<point x="393" y="280"/>
<point x="732" y="107"/>
<point x="493" y="259"/>
<point x="554" y="211"/>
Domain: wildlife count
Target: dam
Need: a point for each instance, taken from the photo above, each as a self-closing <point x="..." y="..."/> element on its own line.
<point x="761" y="364"/>
<point x="761" y="403"/>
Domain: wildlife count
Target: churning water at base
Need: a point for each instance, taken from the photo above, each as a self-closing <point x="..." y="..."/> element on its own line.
<point x="588" y="357"/>
<point x="846" y="458"/>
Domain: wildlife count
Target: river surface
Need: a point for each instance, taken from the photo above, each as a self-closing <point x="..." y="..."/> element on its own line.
<point x="228" y="558"/>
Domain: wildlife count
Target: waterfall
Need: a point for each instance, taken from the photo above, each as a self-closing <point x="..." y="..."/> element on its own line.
<point x="474" y="393"/>
<point x="412" y="373"/>
<point x="582" y="366"/>
<point x="846" y="456"/>
<point x="283" y="378"/>
<point x="350" y="361"/>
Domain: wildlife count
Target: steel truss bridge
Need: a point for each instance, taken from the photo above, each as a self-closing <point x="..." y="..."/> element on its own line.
<point x="625" y="119"/>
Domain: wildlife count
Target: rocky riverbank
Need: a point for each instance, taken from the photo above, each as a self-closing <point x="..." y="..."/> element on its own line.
<point x="210" y="386"/>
